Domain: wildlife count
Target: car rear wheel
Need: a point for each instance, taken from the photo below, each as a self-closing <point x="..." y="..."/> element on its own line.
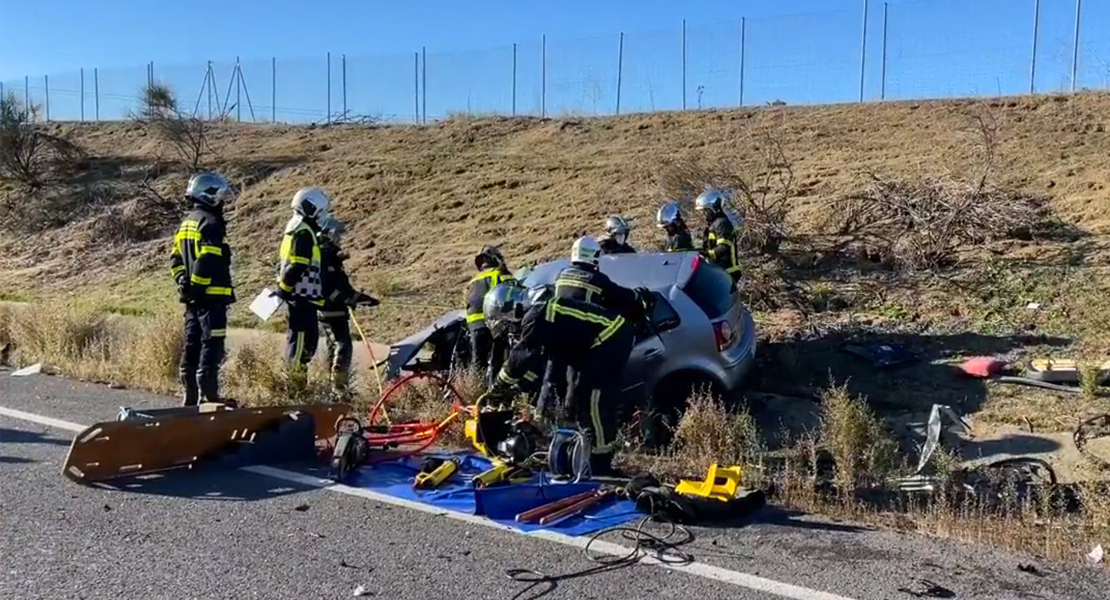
<point x="669" y="402"/>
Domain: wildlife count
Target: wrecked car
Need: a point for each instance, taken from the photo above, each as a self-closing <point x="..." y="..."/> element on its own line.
<point x="700" y="335"/>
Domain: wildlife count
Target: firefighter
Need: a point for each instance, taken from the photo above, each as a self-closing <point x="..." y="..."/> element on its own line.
<point x="583" y="279"/>
<point x="201" y="266"/>
<point x="670" y="221"/>
<point x="594" y="341"/>
<point x="300" y="280"/>
<point x="339" y="298"/>
<point x="719" y="239"/>
<point x="616" y="239"/>
<point x="492" y="270"/>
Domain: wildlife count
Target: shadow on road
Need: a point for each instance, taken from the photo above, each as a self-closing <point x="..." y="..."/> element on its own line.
<point x="16" y="436"/>
<point x="207" y="484"/>
<point x="784" y="517"/>
<point x="14" y="460"/>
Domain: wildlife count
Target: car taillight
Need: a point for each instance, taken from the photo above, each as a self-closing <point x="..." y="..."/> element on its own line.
<point x="722" y="331"/>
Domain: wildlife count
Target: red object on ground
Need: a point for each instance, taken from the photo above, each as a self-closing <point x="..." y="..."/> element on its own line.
<point x="983" y="366"/>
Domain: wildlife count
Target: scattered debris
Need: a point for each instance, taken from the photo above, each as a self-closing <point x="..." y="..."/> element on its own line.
<point x="881" y="355"/>
<point x="1096" y="554"/>
<point x="1031" y="569"/>
<point x="1034" y="306"/>
<point x="34" y="369"/>
<point x="984" y="367"/>
<point x="301" y="508"/>
<point x="932" y="438"/>
<point x="923" y="588"/>
<point x="1095" y="427"/>
<point x="361" y="591"/>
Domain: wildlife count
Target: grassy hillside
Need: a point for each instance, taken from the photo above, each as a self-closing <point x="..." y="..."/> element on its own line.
<point x="429" y="197"/>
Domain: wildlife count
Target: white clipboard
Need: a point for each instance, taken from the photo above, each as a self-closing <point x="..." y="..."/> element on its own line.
<point x="266" y="304"/>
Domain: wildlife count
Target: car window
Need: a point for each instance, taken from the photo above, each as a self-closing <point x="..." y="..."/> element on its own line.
<point x="710" y="287"/>
<point x="663" y="315"/>
<point x="663" y="318"/>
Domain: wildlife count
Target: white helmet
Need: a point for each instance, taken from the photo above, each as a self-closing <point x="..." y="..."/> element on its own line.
<point x="585" y="250"/>
<point x="209" y="188"/>
<point x="713" y="200"/>
<point x="312" y="203"/>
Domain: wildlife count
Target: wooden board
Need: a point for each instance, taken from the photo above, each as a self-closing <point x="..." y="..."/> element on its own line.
<point x="134" y="447"/>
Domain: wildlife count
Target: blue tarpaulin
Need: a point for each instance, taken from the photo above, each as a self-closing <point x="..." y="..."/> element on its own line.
<point x="499" y="503"/>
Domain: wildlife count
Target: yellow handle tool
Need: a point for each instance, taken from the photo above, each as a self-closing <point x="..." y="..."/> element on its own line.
<point x="435" y="478"/>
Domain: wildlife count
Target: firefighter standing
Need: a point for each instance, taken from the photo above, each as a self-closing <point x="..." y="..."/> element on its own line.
<point x="492" y="270"/>
<point x="583" y="281"/>
<point x="616" y="239"/>
<point x="595" y="341"/>
<point x="300" y="280"/>
<point x="669" y="219"/>
<point x="339" y="298"/>
<point x="719" y="238"/>
<point x="201" y="266"/>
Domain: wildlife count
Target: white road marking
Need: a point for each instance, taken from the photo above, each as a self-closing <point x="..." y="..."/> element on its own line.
<point x="744" y="580"/>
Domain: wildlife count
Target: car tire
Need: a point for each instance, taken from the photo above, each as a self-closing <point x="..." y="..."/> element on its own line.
<point x="668" y="403"/>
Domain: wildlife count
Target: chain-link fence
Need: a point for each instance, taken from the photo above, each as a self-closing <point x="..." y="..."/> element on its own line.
<point x="880" y="51"/>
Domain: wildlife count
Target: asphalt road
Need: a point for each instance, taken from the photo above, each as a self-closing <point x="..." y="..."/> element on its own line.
<point x="237" y="534"/>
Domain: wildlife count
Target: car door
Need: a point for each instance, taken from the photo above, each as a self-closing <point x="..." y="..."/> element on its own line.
<point x="638" y="376"/>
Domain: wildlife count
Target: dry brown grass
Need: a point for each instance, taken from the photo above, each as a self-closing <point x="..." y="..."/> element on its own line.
<point x="433" y="196"/>
<point x="82" y="340"/>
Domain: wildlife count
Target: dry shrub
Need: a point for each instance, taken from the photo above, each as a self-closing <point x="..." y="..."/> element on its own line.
<point x="62" y="334"/>
<point x="863" y="452"/>
<point x="762" y="197"/>
<point x="921" y="224"/>
<point x="30" y="157"/>
<point x="150" y="355"/>
<point x="184" y="133"/>
<point x="256" y="375"/>
<point x="709" y="432"/>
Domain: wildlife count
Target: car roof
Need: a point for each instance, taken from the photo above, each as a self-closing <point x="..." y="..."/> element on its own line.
<point x="653" y="270"/>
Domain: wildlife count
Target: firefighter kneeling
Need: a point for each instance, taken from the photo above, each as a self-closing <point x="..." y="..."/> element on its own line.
<point x="594" y="341"/>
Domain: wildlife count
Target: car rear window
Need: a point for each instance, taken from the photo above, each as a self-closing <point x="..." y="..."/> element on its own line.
<point x="711" y="289"/>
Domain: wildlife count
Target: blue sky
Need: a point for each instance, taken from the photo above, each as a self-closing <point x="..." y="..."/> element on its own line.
<point x="798" y="51"/>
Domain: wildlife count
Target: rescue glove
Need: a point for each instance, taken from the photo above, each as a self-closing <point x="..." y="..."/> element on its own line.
<point x="362" y="299"/>
<point x="284" y="295"/>
<point x="182" y="288"/>
<point x="645" y="298"/>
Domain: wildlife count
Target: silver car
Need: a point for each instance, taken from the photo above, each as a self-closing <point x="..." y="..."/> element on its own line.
<point x="700" y="335"/>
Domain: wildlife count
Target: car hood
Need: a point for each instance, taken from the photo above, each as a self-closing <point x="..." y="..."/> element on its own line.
<point x="400" y="353"/>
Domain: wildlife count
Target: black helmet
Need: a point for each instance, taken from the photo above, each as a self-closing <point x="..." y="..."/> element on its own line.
<point x="489" y="254"/>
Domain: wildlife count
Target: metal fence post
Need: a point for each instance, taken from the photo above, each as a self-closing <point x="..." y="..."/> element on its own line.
<point x="620" y="69"/>
<point x="882" y="83"/>
<point x="329" y="87"/>
<point x="543" y="76"/>
<point x="1075" y="44"/>
<point x="863" y="52"/>
<point x="1036" y="31"/>
<point x="238" y="91"/>
<point x="416" y="88"/>
<point x="273" y="89"/>
<point x="514" y="79"/>
<point x="684" y="64"/>
<point x="27" y="93"/>
<point x="743" y="51"/>
<point x="46" y="86"/>
<point x="344" y="66"/>
<point x="82" y="94"/>
<point x="424" y="84"/>
<point x="96" y="92"/>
